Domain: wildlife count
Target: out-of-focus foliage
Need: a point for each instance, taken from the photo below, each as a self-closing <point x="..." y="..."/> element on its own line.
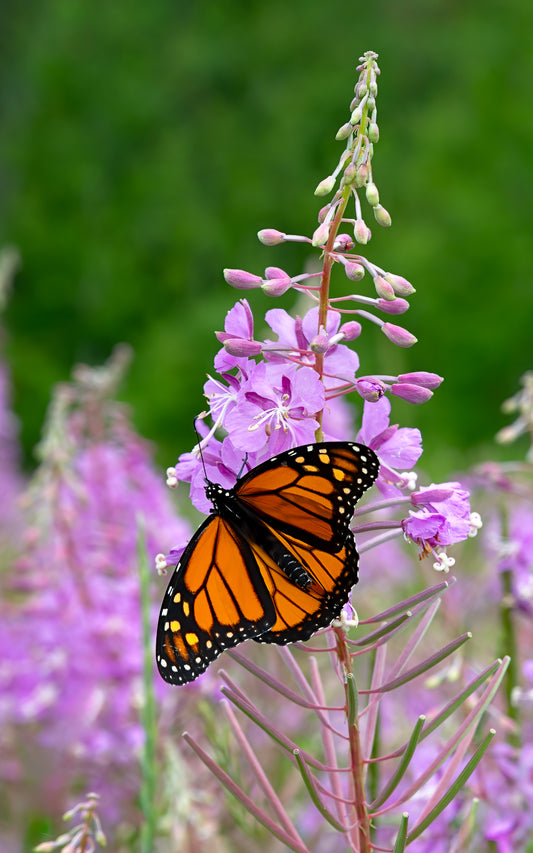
<point x="144" y="144"/>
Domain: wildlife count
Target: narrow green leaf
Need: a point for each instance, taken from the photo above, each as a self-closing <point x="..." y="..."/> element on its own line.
<point x="261" y="816"/>
<point x="458" y="700"/>
<point x="389" y="628"/>
<point x="313" y="793"/>
<point x="426" y="665"/>
<point x="401" y="838"/>
<point x="353" y="699"/>
<point x="454" y="788"/>
<point x="397" y="776"/>
<point x="408" y="603"/>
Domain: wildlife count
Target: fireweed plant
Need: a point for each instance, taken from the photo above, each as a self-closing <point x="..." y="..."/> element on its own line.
<point x="71" y="673"/>
<point x="373" y="768"/>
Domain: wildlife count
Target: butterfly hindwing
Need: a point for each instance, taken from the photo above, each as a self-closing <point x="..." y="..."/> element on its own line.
<point x="216" y="599"/>
<point x="274" y="562"/>
<point x="312" y="489"/>
<point x="300" y="612"/>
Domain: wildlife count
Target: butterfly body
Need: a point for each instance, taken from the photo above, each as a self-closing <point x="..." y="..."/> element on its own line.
<point x="274" y="561"/>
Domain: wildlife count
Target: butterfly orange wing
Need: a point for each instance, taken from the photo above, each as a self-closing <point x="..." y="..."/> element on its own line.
<point x="216" y="599"/>
<point x="300" y="612"/>
<point x="310" y="492"/>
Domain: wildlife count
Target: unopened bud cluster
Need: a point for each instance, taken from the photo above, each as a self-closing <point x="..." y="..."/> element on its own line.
<point x="361" y="132"/>
<point x="521" y="403"/>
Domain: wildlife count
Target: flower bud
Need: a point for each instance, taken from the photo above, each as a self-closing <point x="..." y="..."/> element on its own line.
<point x="355" y="272"/>
<point x="320" y="237"/>
<point x="271" y="237"/>
<point x="343" y="243"/>
<point x="396" y="306"/>
<point x="412" y="393"/>
<point x="372" y="194"/>
<point x="357" y="114"/>
<point x="276" y="286"/>
<point x="382" y="216"/>
<point x="361" y="231"/>
<point x="351" y="330"/>
<point x="370" y="389"/>
<point x="322" y="213"/>
<point x="275" y="272"/>
<point x="241" y="279"/>
<point x="240" y="347"/>
<point x="362" y="175"/>
<point x="344" y="132"/>
<point x="320" y="343"/>
<point x="349" y="174"/>
<point x="383" y="288"/>
<point x="432" y="494"/>
<point x="325" y="186"/>
<point x="398" y="335"/>
<point x="373" y="132"/>
<point x="422" y="378"/>
<point x="401" y="286"/>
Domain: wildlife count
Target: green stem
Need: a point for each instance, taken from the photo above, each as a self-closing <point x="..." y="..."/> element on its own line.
<point x="508" y="639"/>
<point x="357" y="766"/>
<point x="148" y="711"/>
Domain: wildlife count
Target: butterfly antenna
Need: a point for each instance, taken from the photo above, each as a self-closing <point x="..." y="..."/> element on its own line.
<point x="244" y="461"/>
<point x="199" y="446"/>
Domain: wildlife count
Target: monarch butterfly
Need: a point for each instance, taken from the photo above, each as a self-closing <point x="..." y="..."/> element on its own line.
<point x="274" y="561"/>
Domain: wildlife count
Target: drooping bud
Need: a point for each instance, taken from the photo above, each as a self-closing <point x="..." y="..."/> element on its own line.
<point x="372" y="194"/>
<point x="382" y="216"/>
<point x="355" y="272"/>
<point x="271" y="237"/>
<point x="398" y="335"/>
<point x="373" y="132"/>
<point x="325" y="186"/>
<point x="344" y="132"/>
<point x="357" y="114"/>
<point x="321" y="234"/>
<point x="362" y="232"/>
<point x="241" y="279"/>
<point x="383" y="288"/>
<point x="401" y="286"/>
<point x="362" y="175"/>
<point x="349" y="175"/>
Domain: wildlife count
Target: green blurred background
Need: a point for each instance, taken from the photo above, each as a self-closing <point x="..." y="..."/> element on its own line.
<point x="143" y="144"/>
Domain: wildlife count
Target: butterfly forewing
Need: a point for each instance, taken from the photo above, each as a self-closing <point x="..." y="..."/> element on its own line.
<point x="216" y="599"/>
<point x="275" y="561"/>
<point x="313" y="488"/>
